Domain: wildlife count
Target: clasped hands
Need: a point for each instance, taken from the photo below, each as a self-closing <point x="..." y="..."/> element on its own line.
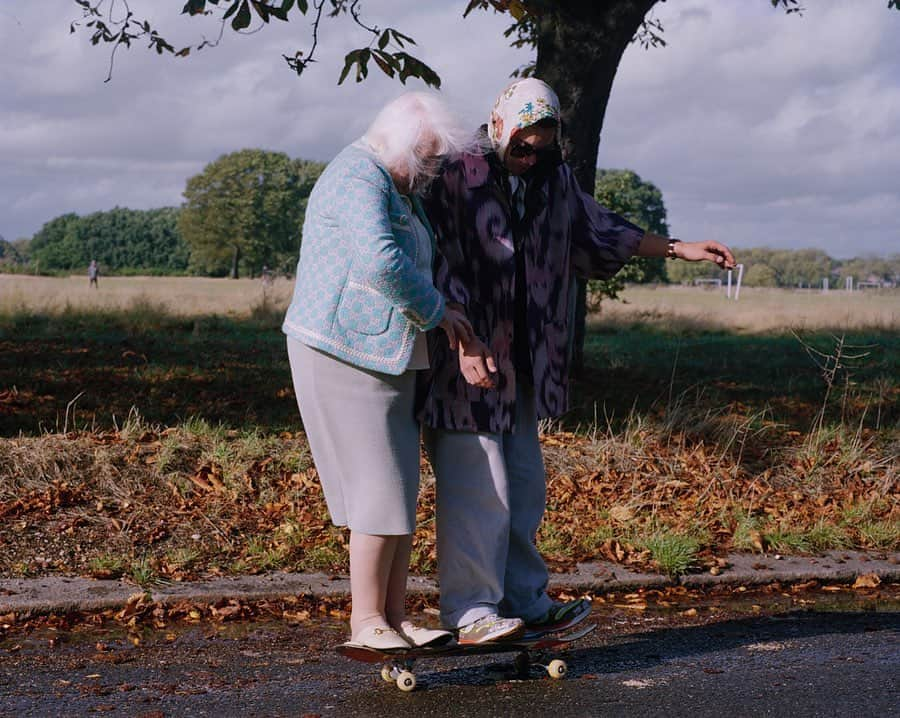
<point x="476" y="362"/>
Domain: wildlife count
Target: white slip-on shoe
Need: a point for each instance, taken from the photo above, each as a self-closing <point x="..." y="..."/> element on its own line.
<point x="381" y="639"/>
<point x="419" y="636"/>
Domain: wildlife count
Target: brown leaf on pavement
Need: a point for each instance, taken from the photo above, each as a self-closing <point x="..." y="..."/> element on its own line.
<point x="868" y="580"/>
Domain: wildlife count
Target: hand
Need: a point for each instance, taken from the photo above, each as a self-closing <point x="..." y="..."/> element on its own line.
<point x="456" y="326"/>
<point x="476" y="362"/>
<point x="710" y="251"/>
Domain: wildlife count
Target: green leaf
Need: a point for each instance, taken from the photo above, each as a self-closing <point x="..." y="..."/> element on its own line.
<point x="399" y="37"/>
<point x="349" y="59"/>
<point x="193" y="7"/>
<point x="360" y="58"/>
<point x="385" y="61"/>
<point x="384" y="40"/>
<point x="232" y="9"/>
<point x="430" y="77"/>
<point x="413" y="67"/>
<point x="362" y="67"/>
<point x="279" y="12"/>
<point x="243" y="17"/>
<point x="261" y="9"/>
<point x="473" y="4"/>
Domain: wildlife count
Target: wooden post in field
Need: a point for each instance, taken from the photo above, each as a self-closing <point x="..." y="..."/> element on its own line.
<point x="848" y="284"/>
<point x="740" y="276"/>
<point x="728" y="286"/>
<point x="824" y="285"/>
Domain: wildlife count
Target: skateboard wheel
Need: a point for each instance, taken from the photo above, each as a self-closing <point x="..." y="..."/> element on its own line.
<point x="406" y="681"/>
<point x="387" y="674"/>
<point x="557" y="668"/>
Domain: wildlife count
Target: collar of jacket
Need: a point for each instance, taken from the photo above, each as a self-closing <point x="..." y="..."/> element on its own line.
<point x="415" y="199"/>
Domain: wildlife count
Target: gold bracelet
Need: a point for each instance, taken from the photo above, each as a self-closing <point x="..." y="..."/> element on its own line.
<point x="670" y="249"/>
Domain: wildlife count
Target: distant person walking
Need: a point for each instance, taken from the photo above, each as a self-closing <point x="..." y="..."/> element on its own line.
<point x="93" y="274"/>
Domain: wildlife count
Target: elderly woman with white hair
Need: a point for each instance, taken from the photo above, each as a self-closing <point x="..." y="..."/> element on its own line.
<point x="363" y="300"/>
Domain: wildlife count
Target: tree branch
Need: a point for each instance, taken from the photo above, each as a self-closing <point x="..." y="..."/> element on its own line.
<point x="390" y="54"/>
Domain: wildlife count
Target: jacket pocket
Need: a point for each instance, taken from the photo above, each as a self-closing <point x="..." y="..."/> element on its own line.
<point x="363" y="310"/>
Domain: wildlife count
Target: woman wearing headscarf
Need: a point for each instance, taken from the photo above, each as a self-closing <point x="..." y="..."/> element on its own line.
<point x="513" y="228"/>
<point x="363" y="300"/>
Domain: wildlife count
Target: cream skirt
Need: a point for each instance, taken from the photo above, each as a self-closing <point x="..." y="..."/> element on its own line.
<point x="364" y="438"/>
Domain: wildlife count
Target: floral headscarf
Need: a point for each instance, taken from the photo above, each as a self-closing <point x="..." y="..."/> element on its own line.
<point x="522" y="104"/>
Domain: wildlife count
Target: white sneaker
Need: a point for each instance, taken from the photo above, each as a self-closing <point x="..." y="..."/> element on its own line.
<point x="490" y="628"/>
<point x="381" y="639"/>
<point x="419" y="636"/>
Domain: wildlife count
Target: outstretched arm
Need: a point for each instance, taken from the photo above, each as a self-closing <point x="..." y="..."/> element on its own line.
<point x="655" y="245"/>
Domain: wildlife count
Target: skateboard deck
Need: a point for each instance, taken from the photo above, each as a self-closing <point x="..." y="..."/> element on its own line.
<point x="397" y="665"/>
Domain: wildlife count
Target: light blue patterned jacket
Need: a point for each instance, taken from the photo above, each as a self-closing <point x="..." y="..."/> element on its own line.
<point x="358" y="295"/>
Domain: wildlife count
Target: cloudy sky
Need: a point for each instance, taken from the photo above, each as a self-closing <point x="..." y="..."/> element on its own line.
<point x="760" y="129"/>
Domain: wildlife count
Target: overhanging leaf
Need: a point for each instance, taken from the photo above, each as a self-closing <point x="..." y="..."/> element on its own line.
<point x="242" y="18"/>
<point x="193" y="7"/>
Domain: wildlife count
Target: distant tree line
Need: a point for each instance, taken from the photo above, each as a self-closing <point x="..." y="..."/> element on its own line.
<point x="127" y="240"/>
<point x="243" y="212"/>
<point x="765" y="267"/>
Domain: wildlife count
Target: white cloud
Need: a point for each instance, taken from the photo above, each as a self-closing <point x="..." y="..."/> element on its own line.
<point x="760" y="128"/>
<point x="766" y="129"/>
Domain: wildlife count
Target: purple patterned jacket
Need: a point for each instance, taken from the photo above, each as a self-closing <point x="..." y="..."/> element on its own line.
<point x="564" y="231"/>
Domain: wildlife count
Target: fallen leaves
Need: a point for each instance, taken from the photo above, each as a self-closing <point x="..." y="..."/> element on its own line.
<point x="143" y="495"/>
<point x="869" y="580"/>
<point x="621" y="513"/>
<point x="57" y="495"/>
<point x="208" y="478"/>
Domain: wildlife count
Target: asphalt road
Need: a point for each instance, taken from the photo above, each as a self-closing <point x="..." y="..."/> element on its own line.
<point x="723" y="660"/>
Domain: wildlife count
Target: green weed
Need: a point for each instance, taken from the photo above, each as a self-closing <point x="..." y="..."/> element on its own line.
<point x="881" y="535"/>
<point x="108" y="566"/>
<point x="143" y="572"/>
<point x="673" y="553"/>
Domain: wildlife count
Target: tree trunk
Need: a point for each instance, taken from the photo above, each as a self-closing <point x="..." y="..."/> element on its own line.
<point x="580" y="44"/>
<point x="235" y="258"/>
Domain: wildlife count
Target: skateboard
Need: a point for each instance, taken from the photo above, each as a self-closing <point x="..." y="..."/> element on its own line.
<point x="397" y="665"/>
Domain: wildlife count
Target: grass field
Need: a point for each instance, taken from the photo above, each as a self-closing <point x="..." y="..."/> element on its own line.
<point x="152" y="431"/>
<point x="758" y="310"/>
<point x="179" y="296"/>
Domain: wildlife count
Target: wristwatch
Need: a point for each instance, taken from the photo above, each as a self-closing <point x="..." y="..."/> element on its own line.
<point x="670" y="249"/>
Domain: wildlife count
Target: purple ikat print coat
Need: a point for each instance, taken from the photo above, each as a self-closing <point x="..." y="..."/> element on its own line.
<point x="564" y="232"/>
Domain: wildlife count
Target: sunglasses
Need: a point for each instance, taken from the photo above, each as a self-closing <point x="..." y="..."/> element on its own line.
<point x="520" y="150"/>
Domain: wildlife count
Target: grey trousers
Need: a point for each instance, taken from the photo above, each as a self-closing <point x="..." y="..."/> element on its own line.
<point x="491" y="494"/>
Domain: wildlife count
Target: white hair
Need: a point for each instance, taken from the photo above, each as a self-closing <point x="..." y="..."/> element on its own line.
<point x="403" y="124"/>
